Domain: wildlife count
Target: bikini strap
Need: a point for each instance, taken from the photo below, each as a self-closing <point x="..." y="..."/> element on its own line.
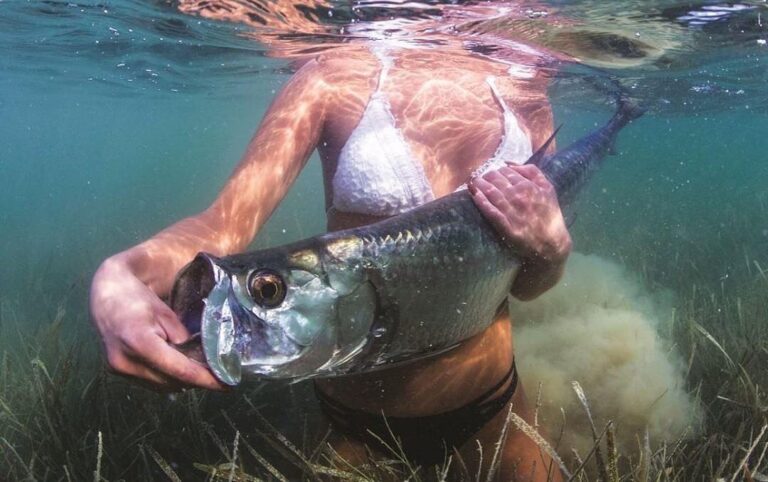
<point x="382" y="53"/>
<point x="509" y="150"/>
<point x="489" y="400"/>
<point x="425" y="439"/>
<point x="491" y="81"/>
<point x="495" y="161"/>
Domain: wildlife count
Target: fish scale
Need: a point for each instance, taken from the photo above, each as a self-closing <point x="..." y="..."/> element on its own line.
<point x="469" y="272"/>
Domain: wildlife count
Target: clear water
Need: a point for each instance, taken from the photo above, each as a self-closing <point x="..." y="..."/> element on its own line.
<point x="118" y="118"/>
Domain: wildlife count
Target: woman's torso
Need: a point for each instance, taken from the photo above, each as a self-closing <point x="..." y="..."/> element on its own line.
<point x="444" y="110"/>
<point x="451" y="121"/>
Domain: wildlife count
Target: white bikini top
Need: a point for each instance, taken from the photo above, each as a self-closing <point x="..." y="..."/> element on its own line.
<point x="378" y="175"/>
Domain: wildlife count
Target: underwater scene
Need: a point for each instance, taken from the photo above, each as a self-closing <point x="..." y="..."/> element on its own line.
<point x="382" y="350"/>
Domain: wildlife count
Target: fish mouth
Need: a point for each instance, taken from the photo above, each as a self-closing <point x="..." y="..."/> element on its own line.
<point x="206" y="300"/>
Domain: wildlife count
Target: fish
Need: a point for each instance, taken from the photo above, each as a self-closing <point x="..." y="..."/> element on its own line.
<point x="362" y="299"/>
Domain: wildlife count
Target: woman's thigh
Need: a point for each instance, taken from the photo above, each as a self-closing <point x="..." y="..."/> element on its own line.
<point x="519" y="458"/>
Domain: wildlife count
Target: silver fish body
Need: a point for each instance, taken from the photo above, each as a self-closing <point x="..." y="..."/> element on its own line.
<point x="364" y="298"/>
<point x="355" y="299"/>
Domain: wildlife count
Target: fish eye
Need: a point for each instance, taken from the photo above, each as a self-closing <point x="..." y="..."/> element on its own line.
<point x="266" y="288"/>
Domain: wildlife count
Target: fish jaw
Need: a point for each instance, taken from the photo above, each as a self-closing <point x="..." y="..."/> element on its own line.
<point x="218" y="335"/>
<point x="200" y="300"/>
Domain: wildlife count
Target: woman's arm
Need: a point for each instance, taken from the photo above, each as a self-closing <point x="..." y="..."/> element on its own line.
<point x="135" y="325"/>
<point x="276" y="154"/>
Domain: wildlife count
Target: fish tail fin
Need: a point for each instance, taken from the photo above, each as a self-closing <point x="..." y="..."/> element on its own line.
<point x="629" y="109"/>
<point x="538" y="158"/>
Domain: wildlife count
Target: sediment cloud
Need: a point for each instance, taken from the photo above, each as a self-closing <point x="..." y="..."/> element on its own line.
<point x="602" y="328"/>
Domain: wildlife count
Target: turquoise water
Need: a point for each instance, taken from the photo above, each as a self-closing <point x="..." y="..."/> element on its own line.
<point x="93" y="174"/>
<point x="119" y="118"/>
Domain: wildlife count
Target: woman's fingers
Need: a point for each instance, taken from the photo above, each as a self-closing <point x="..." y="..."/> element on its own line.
<point x="498" y="219"/>
<point x="174" y="330"/>
<point x="512" y="194"/>
<point x="162" y="357"/>
<point x="145" y="376"/>
<point x="138" y="329"/>
<point x="493" y="194"/>
<point x="529" y="172"/>
<point x="155" y="364"/>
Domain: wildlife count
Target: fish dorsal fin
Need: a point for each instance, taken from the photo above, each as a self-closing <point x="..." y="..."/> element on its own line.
<point x="538" y="158"/>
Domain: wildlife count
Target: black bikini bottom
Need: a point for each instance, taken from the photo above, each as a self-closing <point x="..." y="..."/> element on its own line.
<point x="425" y="440"/>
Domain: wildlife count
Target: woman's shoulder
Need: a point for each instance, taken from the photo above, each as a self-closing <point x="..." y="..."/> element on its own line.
<point x="341" y="77"/>
<point x="341" y="62"/>
<point x="349" y="68"/>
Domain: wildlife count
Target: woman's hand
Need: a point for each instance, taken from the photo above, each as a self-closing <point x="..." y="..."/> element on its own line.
<point x="137" y="328"/>
<point x="522" y="205"/>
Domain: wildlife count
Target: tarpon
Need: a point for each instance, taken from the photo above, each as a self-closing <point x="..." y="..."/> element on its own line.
<point x="364" y="298"/>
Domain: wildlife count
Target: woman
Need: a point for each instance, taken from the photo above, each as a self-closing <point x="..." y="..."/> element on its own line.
<point x="395" y="126"/>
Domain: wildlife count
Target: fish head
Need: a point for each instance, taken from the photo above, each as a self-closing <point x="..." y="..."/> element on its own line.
<point x="275" y="313"/>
